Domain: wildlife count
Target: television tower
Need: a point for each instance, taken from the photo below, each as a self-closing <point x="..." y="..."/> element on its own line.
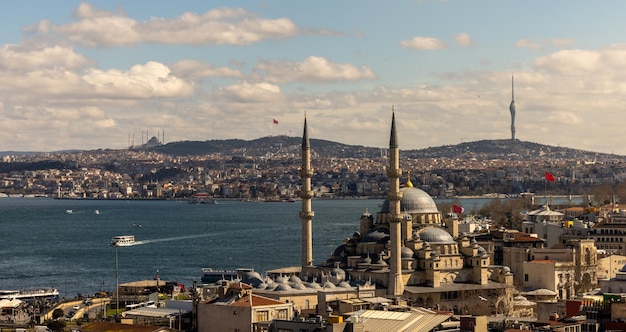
<point x="512" y="109"/>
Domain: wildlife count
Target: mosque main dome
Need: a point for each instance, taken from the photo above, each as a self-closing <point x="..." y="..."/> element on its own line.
<point x="414" y="200"/>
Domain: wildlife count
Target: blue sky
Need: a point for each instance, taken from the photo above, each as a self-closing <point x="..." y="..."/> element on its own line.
<point x="88" y="75"/>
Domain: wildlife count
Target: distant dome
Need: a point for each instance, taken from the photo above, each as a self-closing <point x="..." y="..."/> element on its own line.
<point x="283" y="287"/>
<point x="379" y="235"/>
<point x="413" y="201"/>
<point x="435" y="235"/>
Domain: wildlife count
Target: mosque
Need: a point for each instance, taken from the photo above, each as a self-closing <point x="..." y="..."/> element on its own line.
<point x="407" y="253"/>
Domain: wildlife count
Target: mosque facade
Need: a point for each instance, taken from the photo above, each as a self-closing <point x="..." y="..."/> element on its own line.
<point x="409" y="250"/>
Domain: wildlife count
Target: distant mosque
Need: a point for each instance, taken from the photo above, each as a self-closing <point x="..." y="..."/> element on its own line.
<point x="407" y="253"/>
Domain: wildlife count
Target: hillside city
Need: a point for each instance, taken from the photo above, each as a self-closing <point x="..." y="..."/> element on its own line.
<point x="269" y="170"/>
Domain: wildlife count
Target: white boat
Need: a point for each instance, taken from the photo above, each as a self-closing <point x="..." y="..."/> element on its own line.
<point x="69" y="211"/>
<point x="97" y="212"/>
<point x="29" y="294"/>
<point x="123" y="241"/>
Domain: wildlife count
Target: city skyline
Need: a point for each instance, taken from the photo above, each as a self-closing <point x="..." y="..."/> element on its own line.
<point x="88" y="75"/>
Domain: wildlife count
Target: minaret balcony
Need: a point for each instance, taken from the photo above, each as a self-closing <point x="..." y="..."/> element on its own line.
<point x="306" y="173"/>
<point x="306" y="215"/>
<point x="394" y="173"/>
<point x="394" y="197"/>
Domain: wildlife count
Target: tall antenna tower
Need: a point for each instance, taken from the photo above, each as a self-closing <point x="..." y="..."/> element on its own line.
<point x="512" y="109"/>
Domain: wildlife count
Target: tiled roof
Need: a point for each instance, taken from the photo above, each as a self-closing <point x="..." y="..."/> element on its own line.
<point x="257" y="301"/>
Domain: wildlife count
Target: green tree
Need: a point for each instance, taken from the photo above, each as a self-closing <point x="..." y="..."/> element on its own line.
<point x="57" y="313"/>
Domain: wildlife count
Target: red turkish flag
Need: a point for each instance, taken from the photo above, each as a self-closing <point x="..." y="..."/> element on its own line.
<point x="274" y="121"/>
<point x="457" y="209"/>
<point x="549" y="176"/>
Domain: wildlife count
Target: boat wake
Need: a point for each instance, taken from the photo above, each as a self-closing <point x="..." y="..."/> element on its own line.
<point x="177" y="238"/>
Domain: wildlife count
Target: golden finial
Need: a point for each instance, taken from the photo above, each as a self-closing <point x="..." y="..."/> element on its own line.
<point x="408" y="180"/>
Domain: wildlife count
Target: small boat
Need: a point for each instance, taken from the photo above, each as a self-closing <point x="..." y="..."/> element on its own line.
<point x="97" y="212"/>
<point x="69" y="211"/>
<point x="136" y="225"/>
<point x="123" y="241"/>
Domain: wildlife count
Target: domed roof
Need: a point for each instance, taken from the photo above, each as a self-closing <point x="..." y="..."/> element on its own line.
<point x="413" y="201"/>
<point x="406" y="252"/>
<point x="380" y="235"/>
<point x="435" y="235"/>
<point x="252" y="278"/>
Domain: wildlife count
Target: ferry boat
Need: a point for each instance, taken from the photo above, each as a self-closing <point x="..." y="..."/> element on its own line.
<point x="123" y="241"/>
<point x="41" y="293"/>
<point x="211" y="276"/>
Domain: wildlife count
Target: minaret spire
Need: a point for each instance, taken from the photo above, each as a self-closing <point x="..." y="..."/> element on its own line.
<point x="512" y="109"/>
<point x="306" y="214"/>
<point x="396" y="283"/>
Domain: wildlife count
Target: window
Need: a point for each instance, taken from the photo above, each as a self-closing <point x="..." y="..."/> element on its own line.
<point x="281" y="314"/>
<point x="525" y="277"/>
<point x="262" y="316"/>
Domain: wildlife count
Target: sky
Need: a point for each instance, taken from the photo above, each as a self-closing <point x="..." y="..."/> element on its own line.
<point x="107" y="74"/>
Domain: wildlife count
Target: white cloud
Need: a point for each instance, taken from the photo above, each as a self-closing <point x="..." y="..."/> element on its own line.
<point x="18" y="57"/>
<point x="464" y="40"/>
<point x="142" y="81"/>
<point x="199" y="69"/>
<point x="245" y="92"/>
<point x="423" y="43"/>
<point x="313" y="69"/>
<point x="233" y="26"/>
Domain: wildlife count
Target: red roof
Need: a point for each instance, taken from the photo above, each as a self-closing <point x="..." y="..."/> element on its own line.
<point x="257" y="301"/>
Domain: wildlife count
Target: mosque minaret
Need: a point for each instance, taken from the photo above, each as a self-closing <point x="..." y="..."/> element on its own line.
<point x="512" y="109"/>
<point x="396" y="284"/>
<point x="306" y="214"/>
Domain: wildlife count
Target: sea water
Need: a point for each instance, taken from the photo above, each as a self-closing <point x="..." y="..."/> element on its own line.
<point x="65" y="244"/>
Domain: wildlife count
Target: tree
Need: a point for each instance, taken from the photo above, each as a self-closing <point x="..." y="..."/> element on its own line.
<point x="57" y="313"/>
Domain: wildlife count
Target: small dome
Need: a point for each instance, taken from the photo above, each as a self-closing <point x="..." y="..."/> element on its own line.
<point x="344" y="284"/>
<point x="252" y="278"/>
<point x="314" y="285"/>
<point x="295" y="280"/>
<point x="261" y="286"/>
<point x="367" y="260"/>
<point x="436" y="235"/>
<point x="283" y="287"/>
<point x="300" y="286"/>
<point x="406" y="252"/>
<point x="329" y="284"/>
<point x="413" y="201"/>
<point x="281" y="280"/>
<point x="379" y="235"/>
